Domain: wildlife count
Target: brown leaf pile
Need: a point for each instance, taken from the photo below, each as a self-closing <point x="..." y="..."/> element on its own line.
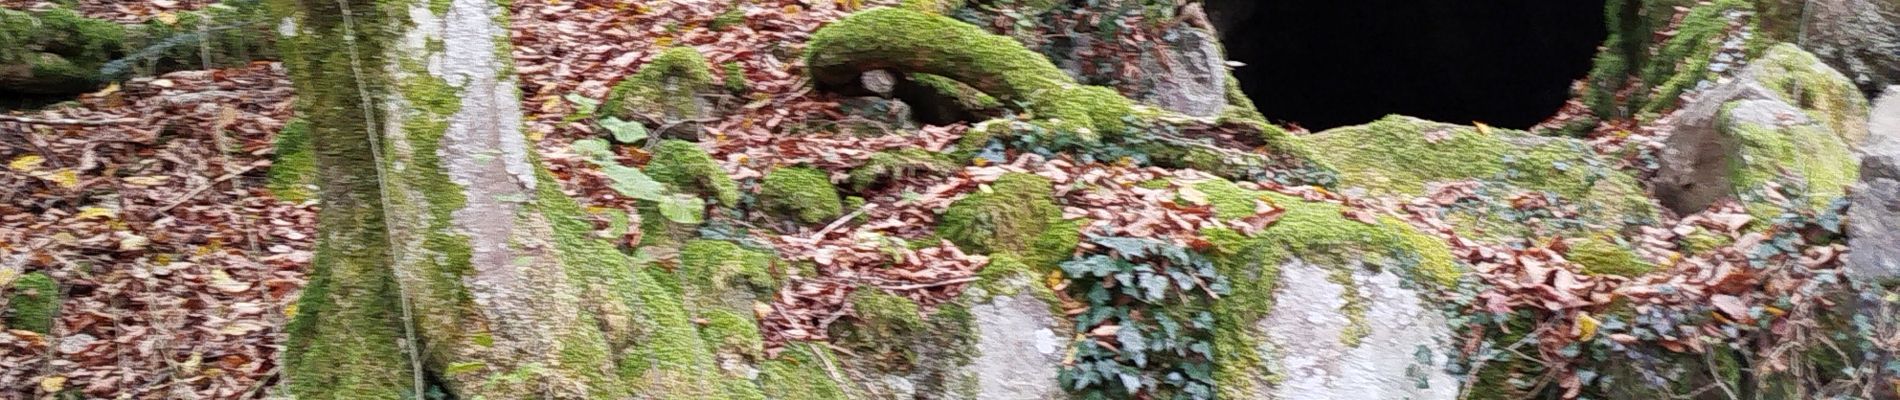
<point x="146" y="203"/>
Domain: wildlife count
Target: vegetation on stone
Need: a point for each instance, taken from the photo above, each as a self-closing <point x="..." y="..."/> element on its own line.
<point x="802" y="193"/>
<point x="469" y="232"/>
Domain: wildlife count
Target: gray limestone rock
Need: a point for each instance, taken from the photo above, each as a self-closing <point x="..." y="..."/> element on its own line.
<point x="1874" y="214"/>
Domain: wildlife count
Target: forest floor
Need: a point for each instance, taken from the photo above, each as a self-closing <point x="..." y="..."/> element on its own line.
<point x="147" y="200"/>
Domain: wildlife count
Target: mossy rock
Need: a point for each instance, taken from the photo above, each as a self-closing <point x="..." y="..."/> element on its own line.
<point x="33" y="303"/>
<point x="802" y="193"/>
<point x="1804" y="81"/>
<point x="669" y="87"/>
<point x="1313" y="232"/>
<point x="995" y="65"/>
<point x="685" y="167"/>
<point x="884" y="327"/>
<point x="1016" y="214"/>
<point x="1401" y="156"/>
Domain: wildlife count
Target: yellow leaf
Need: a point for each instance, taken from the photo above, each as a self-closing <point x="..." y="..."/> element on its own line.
<point x="980" y="161"/>
<point x="167" y="17"/>
<point x="791" y="9"/>
<point x="224" y="283"/>
<point x="65" y="178"/>
<point x="27" y="163"/>
<point x="52" y="384"/>
<point x="147" y="180"/>
<point x="1587" y="327"/>
<point x="96" y="212"/>
<point x="1482" y="128"/>
<point x="290" y="310"/>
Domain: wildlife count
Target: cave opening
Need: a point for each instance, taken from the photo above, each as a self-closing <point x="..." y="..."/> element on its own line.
<point x="1323" y="64"/>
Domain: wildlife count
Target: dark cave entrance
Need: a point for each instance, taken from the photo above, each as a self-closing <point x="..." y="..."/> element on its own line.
<point x="1323" y="64"/>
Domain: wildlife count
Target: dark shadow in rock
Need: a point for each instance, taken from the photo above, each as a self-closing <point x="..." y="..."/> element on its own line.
<point x="1324" y="64"/>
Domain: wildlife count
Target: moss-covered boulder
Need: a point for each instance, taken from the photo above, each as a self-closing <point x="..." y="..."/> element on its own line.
<point x="1403" y="156"/>
<point x="1016" y="214"/>
<point x="1355" y="302"/>
<point x="671" y="89"/>
<point x="32" y="303"/>
<point x="718" y="283"/>
<point x="1787" y="119"/>
<point x="803" y="194"/>
<point x="685" y="167"/>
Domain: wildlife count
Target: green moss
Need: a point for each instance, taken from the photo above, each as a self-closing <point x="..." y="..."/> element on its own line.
<point x="799" y="374"/>
<point x="33" y="303"/>
<point x="938" y="45"/>
<point x="1702" y="241"/>
<point x="1396" y="156"/>
<point x="685" y="167"/>
<point x="667" y="87"/>
<point x="966" y="97"/>
<point x="1017" y="214"/>
<point x="1683" y="61"/>
<point x="883" y="328"/>
<point x="728" y="19"/>
<point x="1805" y="82"/>
<point x="1803" y="156"/>
<point x="1315" y="232"/>
<point x="1602" y="255"/>
<point x="724" y="266"/>
<point x="293" y="170"/>
<point x="899" y="164"/>
<point x="803" y="193"/>
<point x="735" y="77"/>
<point x="932" y="6"/>
<point x="1239" y="106"/>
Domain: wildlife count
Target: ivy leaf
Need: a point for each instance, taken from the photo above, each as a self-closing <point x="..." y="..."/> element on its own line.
<point x="681" y="208"/>
<point x="1128" y="247"/>
<point x="631" y="182"/>
<point x="1156" y="285"/>
<point x="582" y="104"/>
<point x="624" y="131"/>
<point x="594" y="150"/>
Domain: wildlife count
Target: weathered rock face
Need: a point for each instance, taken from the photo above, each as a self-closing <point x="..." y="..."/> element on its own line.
<point x="1321" y="355"/>
<point x="1859" y="37"/>
<point x="1019" y="349"/>
<point x="1196" y="83"/>
<point x="1875" y="212"/>
<point x="1788" y="110"/>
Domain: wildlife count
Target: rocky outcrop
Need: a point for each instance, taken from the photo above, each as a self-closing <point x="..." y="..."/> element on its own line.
<point x="1786" y="116"/>
<point x="1874" y="233"/>
<point x="1397" y="355"/>
<point x="1859" y="37"/>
